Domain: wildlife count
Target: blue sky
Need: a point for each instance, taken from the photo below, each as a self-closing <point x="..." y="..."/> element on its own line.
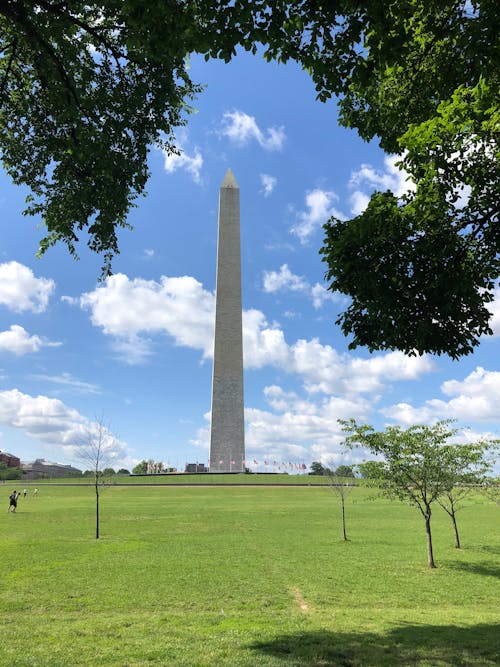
<point x="136" y="352"/>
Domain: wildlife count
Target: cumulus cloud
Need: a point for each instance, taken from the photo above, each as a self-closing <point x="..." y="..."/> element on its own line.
<point x="60" y="428"/>
<point x="70" y="300"/>
<point x="367" y="179"/>
<point x="304" y="429"/>
<point x="477" y="398"/>
<point x="284" y="280"/>
<point x="320" y="295"/>
<point x="18" y="341"/>
<point x="131" y="311"/>
<point x="295" y="429"/>
<point x="21" y="290"/>
<point x="268" y="184"/>
<point x="359" y="201"/>
<point x="319" y="207"/>
<point x="240" y="129"/>
<point x="264" y="344"/>
<point x="494" y="308"/>
<point x="326" y="370"/>
<point x="391" y="178"/>
<point x="192" y="163"/>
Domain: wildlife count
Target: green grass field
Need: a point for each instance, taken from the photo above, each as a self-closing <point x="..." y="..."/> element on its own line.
<point x="190" y="576"/>
<point x="201" y="480"/>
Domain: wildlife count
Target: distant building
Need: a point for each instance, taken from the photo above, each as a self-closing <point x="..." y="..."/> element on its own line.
<point x="10" y="460"/>
<point x="195" y="467"/>
<point x="42" y="469"/>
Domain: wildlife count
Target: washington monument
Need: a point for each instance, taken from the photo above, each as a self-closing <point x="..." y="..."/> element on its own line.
<point x="227" y="436"/>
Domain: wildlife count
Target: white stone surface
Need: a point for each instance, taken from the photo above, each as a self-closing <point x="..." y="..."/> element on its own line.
<point x="227" y="437"/>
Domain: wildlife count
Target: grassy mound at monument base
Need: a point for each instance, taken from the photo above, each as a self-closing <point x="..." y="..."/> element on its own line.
<point x="244" y="577"/>
<point x="215" y="479"/>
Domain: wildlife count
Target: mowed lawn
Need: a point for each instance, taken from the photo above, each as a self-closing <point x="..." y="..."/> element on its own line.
<point x="244" y="576"/>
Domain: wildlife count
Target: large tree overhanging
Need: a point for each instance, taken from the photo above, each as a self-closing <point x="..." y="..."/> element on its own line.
<point x="87" y="88"/>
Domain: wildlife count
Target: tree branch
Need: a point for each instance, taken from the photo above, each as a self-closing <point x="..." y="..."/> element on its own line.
<point x="3" y="85"/>
<point x="94" y="31"/>
<point x="20" y="17"/>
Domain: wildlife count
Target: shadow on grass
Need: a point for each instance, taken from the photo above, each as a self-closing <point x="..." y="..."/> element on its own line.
<point x="443" y="646"/>
<point x="486" y="569"/>
<point x="487" y="548"/>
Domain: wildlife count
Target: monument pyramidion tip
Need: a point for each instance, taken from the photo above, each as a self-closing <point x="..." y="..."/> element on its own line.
<point x="229" y="180"/>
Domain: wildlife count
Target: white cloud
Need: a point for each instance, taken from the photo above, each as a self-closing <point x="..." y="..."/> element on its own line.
<point x="70" y="383"/>
<point x="392" y="178"/>
<point x="268" y="184"/>
<point x="321" y="367"/>
<point x="477" y="383"/>
<point x="71" y="300"/>
<point x="61" y="429"/>
<point x="191" y="163"/>
<point x="296" y="429"/>
<point x="320" y="295"/>
<point x="359" y="201"/>
<point x="129" y="310"/>
<point x="20" y="290"/>
<point x="240" y="128"/>
<point x="17" y="340"/>
<point x="134" y="350"/>
<point x="325" y="370"/>
<point x="407" y="414"/>
<point x="367" y="179"/>
<point x="320" y="208"/>
<point x="477" y="398"/>
<point x="284" y="279"/>
<point x="263" y="345"/>
<point x="494" y="308"/>
<point x="132" y="310"/>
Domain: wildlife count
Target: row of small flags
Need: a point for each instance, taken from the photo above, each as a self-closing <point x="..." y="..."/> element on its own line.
<point x="154" y="468"/>
<point x="267" y="463"/>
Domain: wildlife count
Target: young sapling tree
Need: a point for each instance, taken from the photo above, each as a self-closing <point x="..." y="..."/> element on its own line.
<point x="414" y="465"/>
<point x="469" y="467"/>
<point x="95" y="449"/>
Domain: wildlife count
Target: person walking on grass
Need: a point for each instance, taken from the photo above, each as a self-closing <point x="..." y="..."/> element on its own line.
<point x="12" y="501"/>
<point x="25" y="491"/>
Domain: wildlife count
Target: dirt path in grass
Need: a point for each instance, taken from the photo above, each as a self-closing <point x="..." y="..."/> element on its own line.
<point x="299" y="599"/>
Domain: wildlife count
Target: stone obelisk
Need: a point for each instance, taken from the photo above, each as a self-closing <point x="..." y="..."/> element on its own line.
<point x="227" y="437"/>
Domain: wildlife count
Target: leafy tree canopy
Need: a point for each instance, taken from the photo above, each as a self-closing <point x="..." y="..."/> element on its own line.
<point x="416" y="466"/>
<point x="87" y="88"/>
<point x="420" y="466"/>
<point x="141" y="468"/>
<point x="7" y="472"/>
<point x="470" y="465"/>
<point x="317" y="468"/>
<point x="344" y="471"/>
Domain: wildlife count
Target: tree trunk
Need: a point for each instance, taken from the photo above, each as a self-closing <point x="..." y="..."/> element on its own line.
<point x="430" y="555"/>
<point x="343" y="520"/>
<point x="455" y="528"/>
<point x="97" y="511"/>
